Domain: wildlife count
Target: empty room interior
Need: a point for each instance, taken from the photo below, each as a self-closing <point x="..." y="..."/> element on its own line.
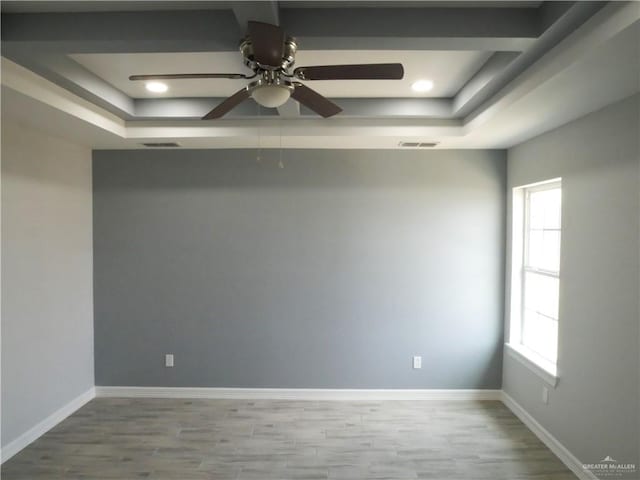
<point x="340" y="240"/>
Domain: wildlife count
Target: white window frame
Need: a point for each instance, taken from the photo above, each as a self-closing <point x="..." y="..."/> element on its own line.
<point x="541" y="366"/>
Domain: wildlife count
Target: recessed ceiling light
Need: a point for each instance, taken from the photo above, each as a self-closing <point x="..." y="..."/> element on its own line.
<point x="422" y="86"/>
<point x="157" y="87"/>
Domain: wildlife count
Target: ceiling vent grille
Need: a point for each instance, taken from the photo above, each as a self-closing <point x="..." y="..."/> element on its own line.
<point x="417" y="144"/>
<point x="161" y="144"/>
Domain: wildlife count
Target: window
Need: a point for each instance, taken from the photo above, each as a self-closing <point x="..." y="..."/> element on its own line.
<point x="535" y="276"/>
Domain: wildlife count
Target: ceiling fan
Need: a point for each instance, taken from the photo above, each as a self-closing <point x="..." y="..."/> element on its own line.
<point x="270" y="54"/>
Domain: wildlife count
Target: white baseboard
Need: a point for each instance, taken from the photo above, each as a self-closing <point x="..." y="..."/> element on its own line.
<point x="549" y="440"/>
<point x="45" y="425"/>
<point x="297" y="393"/>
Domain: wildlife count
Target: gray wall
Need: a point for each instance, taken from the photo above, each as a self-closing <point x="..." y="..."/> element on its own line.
<point x="594" y="411"/>
<point x="331" y="272"/>
<point x="47" y="304"/>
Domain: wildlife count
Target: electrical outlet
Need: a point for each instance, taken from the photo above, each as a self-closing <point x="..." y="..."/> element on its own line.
<point x="168" y="360"/>
<point x="417" y="362"/>
<point x="545" y="395"/>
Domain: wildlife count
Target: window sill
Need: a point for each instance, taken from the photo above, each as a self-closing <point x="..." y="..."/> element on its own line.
<point x="542" y="368"/>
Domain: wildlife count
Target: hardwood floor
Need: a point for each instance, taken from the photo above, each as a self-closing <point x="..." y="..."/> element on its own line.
<point x="267" y="440"/>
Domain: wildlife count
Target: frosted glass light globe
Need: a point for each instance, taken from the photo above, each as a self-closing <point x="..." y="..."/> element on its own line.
<point x="271" y="96"/>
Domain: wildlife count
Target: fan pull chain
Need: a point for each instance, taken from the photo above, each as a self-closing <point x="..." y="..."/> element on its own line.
<point x="280" y="163"/>
<point x="259" y="155"/>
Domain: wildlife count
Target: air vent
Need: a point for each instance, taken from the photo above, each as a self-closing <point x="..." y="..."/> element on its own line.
<point x="417" y="144"/>
<point x="161" y="144"/>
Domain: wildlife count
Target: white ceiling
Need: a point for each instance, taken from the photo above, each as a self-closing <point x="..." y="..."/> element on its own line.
<point x="596" y="65"/>
<point x="606" y="74"/>
<point x="409" y="4"/>
<point x="33" y="6"/>
<point x="39" y="6"/>
<point x="449" y="71"/>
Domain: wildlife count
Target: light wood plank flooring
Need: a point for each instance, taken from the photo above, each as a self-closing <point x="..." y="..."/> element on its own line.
<point x="286" y="440"/>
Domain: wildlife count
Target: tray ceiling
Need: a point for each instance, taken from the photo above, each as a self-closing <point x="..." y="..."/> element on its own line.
<point x="448" y="70"/>
<point x="501" y="70"/>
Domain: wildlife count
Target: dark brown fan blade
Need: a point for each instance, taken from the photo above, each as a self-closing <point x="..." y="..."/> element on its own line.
<point x="183" y="76"/>
<point x="228" y="105"/>
<point x="371" y="71"/>
<point x="268" y="43"/>
<point x="316" y="102"/>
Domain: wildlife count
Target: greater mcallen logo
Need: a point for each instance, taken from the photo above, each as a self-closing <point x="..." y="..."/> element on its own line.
<point x="609" y="467"/>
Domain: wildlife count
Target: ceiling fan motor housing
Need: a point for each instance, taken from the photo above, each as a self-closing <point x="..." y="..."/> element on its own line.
<point x="288" y="55"/>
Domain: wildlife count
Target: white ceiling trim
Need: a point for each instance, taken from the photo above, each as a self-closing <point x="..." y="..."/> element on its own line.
<point x="28" y="83"/>
<point x="298" y="128"/>
<point x="604" y="25"/>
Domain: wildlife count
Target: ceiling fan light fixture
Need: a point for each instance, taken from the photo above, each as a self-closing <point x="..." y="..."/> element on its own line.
<point x="156" y="87"/>
<point x="270" y="54"/>
<point x="271" y="96"/>
<point x="422" y="86"/>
